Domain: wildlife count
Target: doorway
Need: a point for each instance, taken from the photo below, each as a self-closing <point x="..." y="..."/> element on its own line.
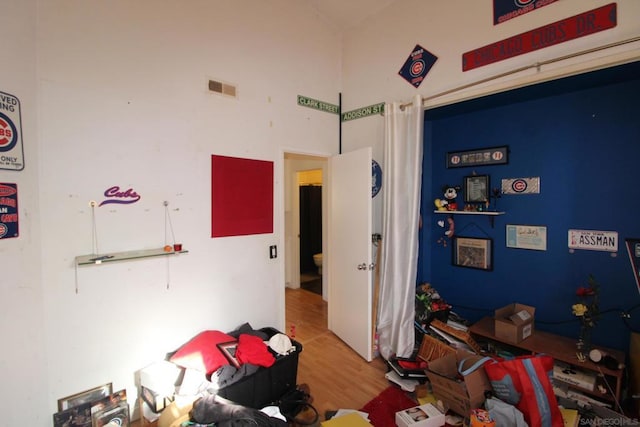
<point x="346" y="241"/>
<point x="305" y="174"/>
<point x="310" y="208"/>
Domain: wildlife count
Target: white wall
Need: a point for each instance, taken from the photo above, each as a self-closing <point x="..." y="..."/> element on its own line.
<point x="23" y="365"/>
<point x="114" y="93"/>
<point x="121" y="97"/>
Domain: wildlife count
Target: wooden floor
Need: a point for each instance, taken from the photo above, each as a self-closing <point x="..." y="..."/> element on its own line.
<point x="338" y="376"/>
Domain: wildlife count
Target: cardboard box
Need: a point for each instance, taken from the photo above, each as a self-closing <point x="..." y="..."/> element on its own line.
<point x="154" y="400"/>
<point x="420" y="416"/>
<point x="514" y="322"/>
<point x="574" y="376"/>
<point x="634" y="372"/>
<point x="160" y="377"/>
<point x="461" y="395"/>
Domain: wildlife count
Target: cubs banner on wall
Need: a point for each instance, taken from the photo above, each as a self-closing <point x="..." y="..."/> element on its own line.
<point x="503" y="10"/>
<point x="8" y="210"/>
<point x="417" y="65"/>
<point x="11" y="153"/>
<point x="584" y="24"/>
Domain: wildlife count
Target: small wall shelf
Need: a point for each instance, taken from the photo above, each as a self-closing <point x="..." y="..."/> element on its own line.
<point x="486" y="213"/>
<point x="491" y="214"/>
<point x="123" y="256"/>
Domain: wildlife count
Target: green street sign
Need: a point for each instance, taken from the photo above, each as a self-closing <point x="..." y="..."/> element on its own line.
<point x="317" y="105"/>
<point x="363" y="112"/>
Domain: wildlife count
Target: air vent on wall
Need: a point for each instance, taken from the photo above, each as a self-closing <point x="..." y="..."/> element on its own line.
<point x="222" y="88"/>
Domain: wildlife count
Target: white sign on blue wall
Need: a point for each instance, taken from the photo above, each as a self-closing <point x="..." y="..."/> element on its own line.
<point x="593" y="240"/>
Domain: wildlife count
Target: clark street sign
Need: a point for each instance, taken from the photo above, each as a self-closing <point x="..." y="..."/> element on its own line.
<point x="318" y="105"/>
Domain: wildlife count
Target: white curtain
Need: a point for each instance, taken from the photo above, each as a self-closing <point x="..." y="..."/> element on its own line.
<point x="400" y="221"/>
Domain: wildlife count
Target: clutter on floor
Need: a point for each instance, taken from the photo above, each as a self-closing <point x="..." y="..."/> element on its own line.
<point x="483" y="374"/>
<point x="502" y="371"/>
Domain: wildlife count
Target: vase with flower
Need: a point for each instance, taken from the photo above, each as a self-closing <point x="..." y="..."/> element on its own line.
<point x="587" y="310"/>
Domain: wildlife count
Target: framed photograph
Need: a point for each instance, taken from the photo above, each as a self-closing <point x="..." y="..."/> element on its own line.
<point x="87" y="396"/>
<point x="78" y="416"/>
<point x="476" y="189"/>
<point x="229" y="350"/>
<point x="109" y="401"/>
<point x="114" y="415"/>
<point x="473" y="252"/>
<point x="480" y="157"/>
<point x="527" y="237"/>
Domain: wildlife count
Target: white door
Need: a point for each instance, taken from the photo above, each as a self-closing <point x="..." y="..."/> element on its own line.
<point x="350" y="293"/>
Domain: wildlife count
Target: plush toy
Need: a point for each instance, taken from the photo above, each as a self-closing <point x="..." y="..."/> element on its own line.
<point x="450" y="194"/>
<point x="441" y="204"/>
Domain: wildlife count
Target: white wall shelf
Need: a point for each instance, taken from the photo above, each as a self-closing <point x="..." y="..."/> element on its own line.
<point x="94" y="259"/>
<point x="485" y="213"/>
<point x="490" y="214"/>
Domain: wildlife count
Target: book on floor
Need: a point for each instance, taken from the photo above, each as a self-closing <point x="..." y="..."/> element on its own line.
<point x="571" y="417"/>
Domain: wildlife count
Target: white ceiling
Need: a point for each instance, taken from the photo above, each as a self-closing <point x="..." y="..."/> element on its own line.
<point x="345" y="14"/>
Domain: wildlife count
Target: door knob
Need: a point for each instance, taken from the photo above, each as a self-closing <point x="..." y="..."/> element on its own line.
<point x="362" y="266"/>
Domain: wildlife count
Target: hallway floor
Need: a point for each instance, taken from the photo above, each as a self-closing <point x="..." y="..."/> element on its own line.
<point x="311" y="282"/>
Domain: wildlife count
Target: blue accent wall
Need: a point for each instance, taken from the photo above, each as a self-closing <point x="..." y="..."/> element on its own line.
<point x="581" y="137"/>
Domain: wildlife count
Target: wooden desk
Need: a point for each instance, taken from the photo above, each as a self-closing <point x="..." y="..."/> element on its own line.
<point x="560" y="348"/>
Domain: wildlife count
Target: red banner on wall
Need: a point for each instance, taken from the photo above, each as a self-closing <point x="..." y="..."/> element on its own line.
<point x="241" y="196"/>
<point x="593" y="21"/>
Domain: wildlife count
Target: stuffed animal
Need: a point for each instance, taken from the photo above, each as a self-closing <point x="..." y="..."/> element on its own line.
<point x="441" y="204"/>
<point x="450" y="194"/>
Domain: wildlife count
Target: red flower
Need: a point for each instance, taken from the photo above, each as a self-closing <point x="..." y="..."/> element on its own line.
<point x="585" y="292"/>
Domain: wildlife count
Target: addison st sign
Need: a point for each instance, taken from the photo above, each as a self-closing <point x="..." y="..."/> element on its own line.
<point x="593" y="21"/>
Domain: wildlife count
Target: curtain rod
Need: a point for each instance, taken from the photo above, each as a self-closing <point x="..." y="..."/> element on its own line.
<point x="526" y="67"/>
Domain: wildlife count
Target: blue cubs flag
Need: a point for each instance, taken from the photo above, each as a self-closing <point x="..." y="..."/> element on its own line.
<point x="417" y="65"/>
<point x="503" y="10"/>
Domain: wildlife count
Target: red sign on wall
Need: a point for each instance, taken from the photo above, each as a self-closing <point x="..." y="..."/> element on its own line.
<point x="8" y="210"/>
<point x="593" y="21"/>
<point x="241" y="196"/>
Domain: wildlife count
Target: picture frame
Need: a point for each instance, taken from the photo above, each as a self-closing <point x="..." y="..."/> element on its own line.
<point x="478" y="157"/>
<point x="229" y="350"/>
<point x="476" y="189"/>
<point x="109" y="401"/>
<point x="87" y="396"/>
<point x="532" y="237"/>
<point x="473" y="252"/>
<point x="81" y="415"/>
<point x="78" y="416"/>
<point x="117" y="414"/>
